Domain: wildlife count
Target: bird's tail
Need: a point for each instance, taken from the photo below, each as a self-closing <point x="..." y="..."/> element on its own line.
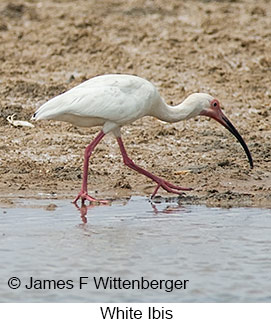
<point x="44" y="112"/>
<point x="33" y="118"/>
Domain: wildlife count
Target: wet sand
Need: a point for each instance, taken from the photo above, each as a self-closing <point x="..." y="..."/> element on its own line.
<point x="222" y="48"/>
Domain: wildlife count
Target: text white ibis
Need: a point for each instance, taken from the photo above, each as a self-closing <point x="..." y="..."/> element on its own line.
<point x="115" y="100"/>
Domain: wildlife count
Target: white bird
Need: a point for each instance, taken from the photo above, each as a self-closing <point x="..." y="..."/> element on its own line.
<point x="115" y="100"/>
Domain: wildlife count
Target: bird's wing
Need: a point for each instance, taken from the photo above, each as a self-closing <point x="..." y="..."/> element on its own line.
<point x="110" y="102"/>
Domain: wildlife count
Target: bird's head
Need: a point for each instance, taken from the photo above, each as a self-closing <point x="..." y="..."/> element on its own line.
<point x="210" y="107"/>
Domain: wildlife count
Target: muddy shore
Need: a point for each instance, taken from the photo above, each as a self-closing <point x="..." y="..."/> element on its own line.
<point x="222" y="48"/>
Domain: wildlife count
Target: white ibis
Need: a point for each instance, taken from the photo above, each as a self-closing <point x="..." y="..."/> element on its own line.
<point x="115" y="100"/>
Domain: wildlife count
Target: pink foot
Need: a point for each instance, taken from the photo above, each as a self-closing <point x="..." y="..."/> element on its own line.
<point x="84" y="196"/>
<point x="171" y="188"/>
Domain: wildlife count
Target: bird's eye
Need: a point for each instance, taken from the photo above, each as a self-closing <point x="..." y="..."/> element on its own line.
<point x="215" y="103"/>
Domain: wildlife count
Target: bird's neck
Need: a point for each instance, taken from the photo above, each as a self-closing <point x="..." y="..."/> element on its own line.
<point x="168" y="113"/>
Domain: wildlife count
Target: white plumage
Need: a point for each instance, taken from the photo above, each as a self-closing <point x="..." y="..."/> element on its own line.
<point x="114" y="100"/>
<point x="110" y="100"/>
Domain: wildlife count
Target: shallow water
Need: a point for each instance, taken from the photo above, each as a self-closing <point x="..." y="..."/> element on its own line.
<point x="224" y="253"/>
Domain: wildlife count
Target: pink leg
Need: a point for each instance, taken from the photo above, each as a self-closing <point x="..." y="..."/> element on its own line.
<point x="83" y="194"/>
<point x="160" y="182"/>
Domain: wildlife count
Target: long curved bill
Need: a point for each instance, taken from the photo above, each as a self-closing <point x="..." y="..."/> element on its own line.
<point x="222" y="119"/>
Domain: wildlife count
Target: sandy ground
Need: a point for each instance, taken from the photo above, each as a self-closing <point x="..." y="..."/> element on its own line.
<point x="219" y="47"/>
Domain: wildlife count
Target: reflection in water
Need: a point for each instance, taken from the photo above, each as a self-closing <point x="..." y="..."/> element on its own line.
<point x="168" y="209"/>
<point x="224" y="253"/>
<point x="84" y="209"/>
